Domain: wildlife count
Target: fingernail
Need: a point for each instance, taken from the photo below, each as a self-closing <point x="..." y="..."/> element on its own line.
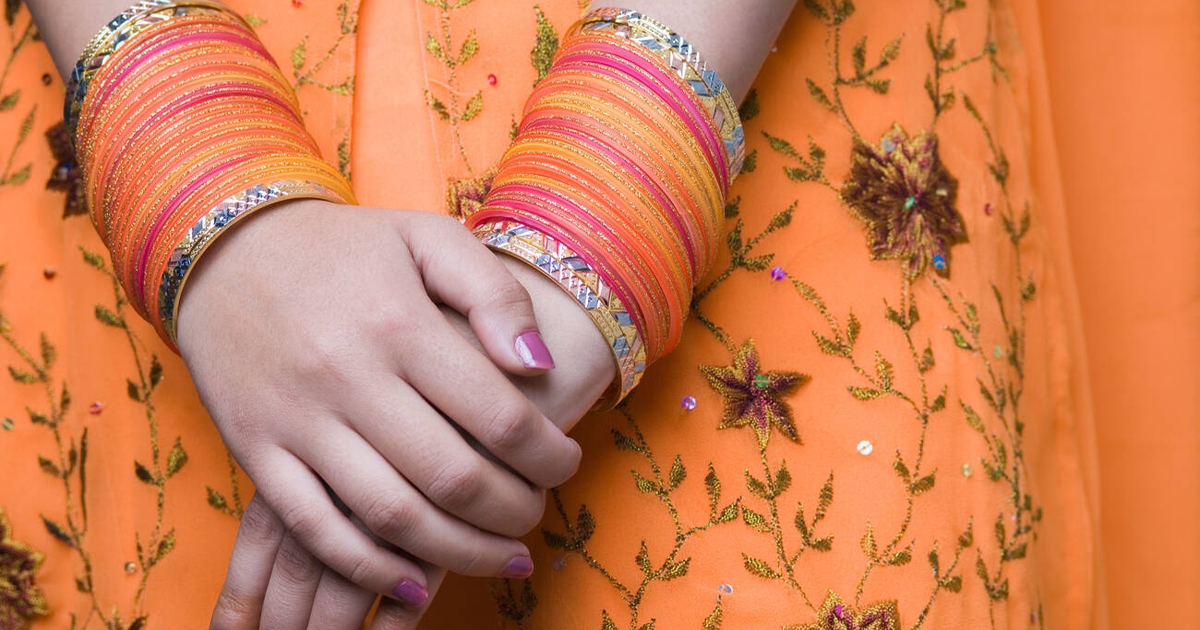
<point x="533" y="351"/>
<point x="519" y="568"/>
<point x="411" y="593"/>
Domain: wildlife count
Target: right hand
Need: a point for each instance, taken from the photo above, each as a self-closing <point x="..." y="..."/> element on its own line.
<point x="314" y="338"/>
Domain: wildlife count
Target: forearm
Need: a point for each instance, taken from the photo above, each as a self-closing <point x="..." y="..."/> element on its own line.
<point x="733" y="36"/>
<point x="68" y="25"/>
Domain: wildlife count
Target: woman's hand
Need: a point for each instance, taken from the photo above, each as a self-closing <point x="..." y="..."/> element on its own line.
<point x="315" y="341"/>
<point x="273" y="582"/>
<point x="276" y="584"/>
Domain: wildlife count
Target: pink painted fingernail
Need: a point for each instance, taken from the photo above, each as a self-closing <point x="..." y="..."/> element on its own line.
<point x="411" y="593"/>
<point x="518" y="568"/>
<point x="533" y="351"/>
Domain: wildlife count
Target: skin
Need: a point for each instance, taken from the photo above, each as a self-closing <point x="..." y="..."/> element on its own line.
<point x="352" y="376"/>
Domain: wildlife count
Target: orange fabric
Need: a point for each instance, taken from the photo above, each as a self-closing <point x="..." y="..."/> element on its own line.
<point x="1083" y="144"/>
<point x="1125" y="89"/>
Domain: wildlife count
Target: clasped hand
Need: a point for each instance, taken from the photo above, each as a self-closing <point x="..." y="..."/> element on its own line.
<point x="314" y="336"/>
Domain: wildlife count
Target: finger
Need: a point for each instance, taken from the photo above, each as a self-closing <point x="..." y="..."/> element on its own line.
<point x="460" y="271"/>
<point x="300" y="500"/>
<point x="295" y="577"/>
<point x="393" y="510"/>
<point x="239" y="606"/>
<point x="339" y="604"/>
<point x="437" y="459"/>
<point x="470" y="390"/>
<point x="391" y="616"/>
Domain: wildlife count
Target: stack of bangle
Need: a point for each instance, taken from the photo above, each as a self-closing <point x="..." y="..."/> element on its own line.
<point x="183" y="124"/>
<point x="616" y="182"/>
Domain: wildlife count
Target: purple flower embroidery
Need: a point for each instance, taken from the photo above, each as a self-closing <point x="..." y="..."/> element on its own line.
<point x="754" y="398"/>
<point x="906" y="197"/>
<point x="20" y="597"/>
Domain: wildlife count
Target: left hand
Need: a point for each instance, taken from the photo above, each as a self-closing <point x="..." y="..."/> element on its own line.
<point x="276" y="584"/>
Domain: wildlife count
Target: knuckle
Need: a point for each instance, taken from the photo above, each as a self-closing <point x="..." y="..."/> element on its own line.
<point x="509" y="424"/>
<point x="303" y="521"/>
<point x="295" y="563"/>
<point x="324" y="355"/>
<point x="233" y="611"/>
<point x="258" y="525"/>
<point x="361" y="570"/>
<point x="456" y="486"/>
<point x="475" y="562"/>
<point x="510" y="298"/>
<point x="390" y="517"/>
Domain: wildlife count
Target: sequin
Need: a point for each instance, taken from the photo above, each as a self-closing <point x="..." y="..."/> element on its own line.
<point x="492" y="79"/>
<point x="987" y="209"/>
<point x="998" y="352"/>
<point x="778" y="273"/>
<point x="762" y="381"/>
<point x="689" y="402"/>
<point x="939" y="262"/>
<point x="966" y="471"/>
<point x="559" y="563"/>
<point x="726" y="589"/>
<point x="6" y="424"/>
<point x="95" y="408"/>
<point x="49" y="273"/>
<point x="865" y="447"/>
<point x="130" y="567"/>
<point x="909" y="203"/>
<point x="47" y="79"/>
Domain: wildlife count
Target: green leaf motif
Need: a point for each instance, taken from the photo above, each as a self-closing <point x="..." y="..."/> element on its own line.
<point x="468" y="49"/>
<point x="544" y="46"/>
<point x="108" y="318"/>
<point x="677" y="570"/>
<point x="678" y="472"/>
<point x="755" y="520"/>
<point x="759" y="567"/>
<point x="9" y="100"/>
<point x="58" y="532"/>
<point x="21" y="376"/>
<point x="300" y="55"/>
<point x="819" y="95"/>
<point x="176" y="459"/>
<point x="473" y="107"/>
<point x="143" y="474"/>
<point x="216" y="500"/>
<point x="49" y="467"/>
<point x="644" y="484"/>
<point x="864" y="393"/>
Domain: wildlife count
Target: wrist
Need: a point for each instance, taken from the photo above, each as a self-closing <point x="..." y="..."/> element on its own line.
<point x="584" y="364"/>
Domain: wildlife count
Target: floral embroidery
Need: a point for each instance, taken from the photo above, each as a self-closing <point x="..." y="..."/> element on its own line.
<point x="465" y="196"/>
<point x="836" y="615"/>
<point x="66" y="176"/>
<point x="905" y="195"/>
<point x="20" y="597"/>
<point x="754" y="398"/>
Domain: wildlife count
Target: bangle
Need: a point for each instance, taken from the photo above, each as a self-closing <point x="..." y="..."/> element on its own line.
<point x="183" y="125"/>
<point x="615" y="183"/>
<point x="682" y="57"/>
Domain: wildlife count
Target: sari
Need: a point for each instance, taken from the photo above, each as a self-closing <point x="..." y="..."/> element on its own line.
<point x="881" y="414"/>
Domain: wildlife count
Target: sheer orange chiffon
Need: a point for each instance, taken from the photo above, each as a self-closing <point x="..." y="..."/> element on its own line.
<point x="973" y="406"/>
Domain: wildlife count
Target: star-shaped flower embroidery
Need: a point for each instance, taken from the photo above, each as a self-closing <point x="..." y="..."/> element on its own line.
<point x="834" y="614"/>
<point x="21" y="598"/>
<point x="755" y="398"/>
<point x="66" y="176"/>
<point x="464" y="197"/>
<point x="905" y="195"/>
